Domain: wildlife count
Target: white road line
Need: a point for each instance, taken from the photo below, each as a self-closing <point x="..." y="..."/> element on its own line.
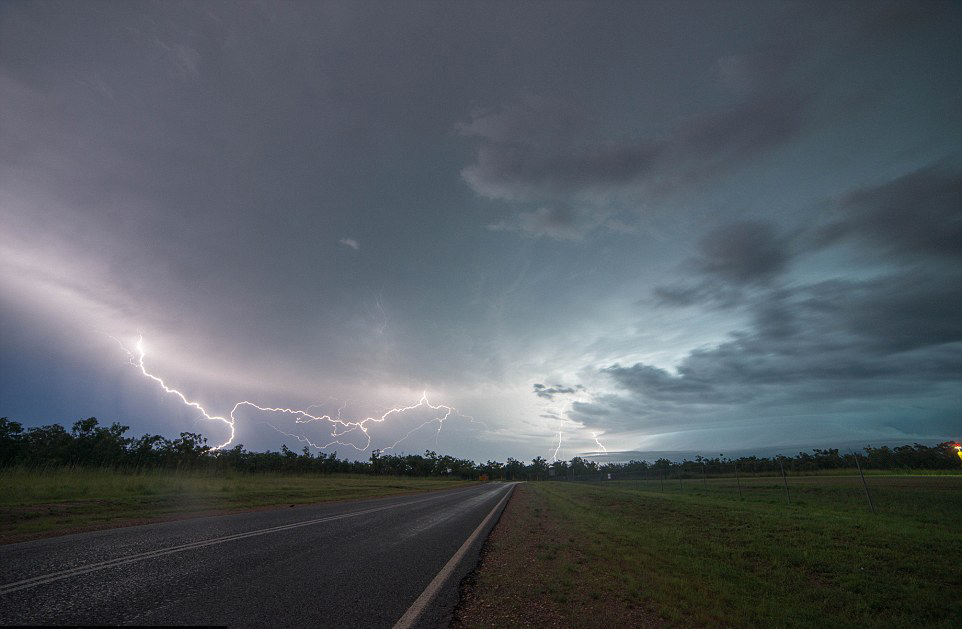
<point x="417" y="608"/>
<point x="9" y="588"/>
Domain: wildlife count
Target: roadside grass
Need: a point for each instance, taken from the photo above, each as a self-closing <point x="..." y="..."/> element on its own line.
<point x="693" y="554"/>
<point x="39" y="503"/>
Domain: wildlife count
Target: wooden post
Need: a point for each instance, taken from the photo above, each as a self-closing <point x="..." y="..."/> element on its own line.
<point x="868" y="496"/>
<point x="738" y="480"/>
<point x="704" y="468"/>
<point x="788" y="496"/>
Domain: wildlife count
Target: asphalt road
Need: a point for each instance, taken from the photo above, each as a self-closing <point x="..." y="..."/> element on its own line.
<point x="351" y="564"/>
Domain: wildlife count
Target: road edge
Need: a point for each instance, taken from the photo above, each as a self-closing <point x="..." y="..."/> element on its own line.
<point x="416" y="612"/>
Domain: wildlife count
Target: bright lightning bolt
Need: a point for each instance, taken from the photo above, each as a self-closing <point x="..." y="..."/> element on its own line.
<point x="138" y="361"/>
<point x="342" y="427"/>
<point x="339" y="427"/>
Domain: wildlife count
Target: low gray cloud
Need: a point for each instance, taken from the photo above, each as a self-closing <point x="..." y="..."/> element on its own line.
<point x="896" y="335"/>
<point x="917" y="215"/>
<point x="915" y="218"/>
<point x="548" y="152"/>
<point x="730" y="263"/>
<point x="743" y="252"/>
<point x="549" y="393"/>
<point x="519" y="160"/>
<point x="834" y="344"/>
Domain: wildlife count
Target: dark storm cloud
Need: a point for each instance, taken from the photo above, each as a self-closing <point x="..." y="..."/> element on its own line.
<point x="895" y="333"/>
<point x="306" y="201"/>
<point x="892" y="335"/>
<point x="915" y="218"/>
<point x="743" y="252"/>
<point x="549" y="393"/>
<point x="733" y="261"/>
<point x="548" y="152"/>
<point x="823" y="343"/>
<point x="917" y="215"/>
<point x="681" y="296"/>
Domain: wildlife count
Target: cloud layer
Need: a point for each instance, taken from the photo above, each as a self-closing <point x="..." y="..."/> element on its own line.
<point x="687" y="222"/>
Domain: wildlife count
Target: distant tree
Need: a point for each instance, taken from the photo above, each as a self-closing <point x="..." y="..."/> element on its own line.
<point x="47" y="445"/>
<point x="538" y="469"/>
<point x="11" y="441"/>
<point x="189" y="449"/>
<point x="514" y="470"/>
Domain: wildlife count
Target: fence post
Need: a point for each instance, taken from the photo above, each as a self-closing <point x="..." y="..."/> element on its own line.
<point x="738" y="480"/>
<point x="788" y="496"/>
<point x="868" y="496"/>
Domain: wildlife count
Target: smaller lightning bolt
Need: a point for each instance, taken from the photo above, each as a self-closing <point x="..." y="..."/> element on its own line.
<point x="381" y="325"/>
<point x="594" y="436"/>
<point x="561" y="426"/>
<point x="342" y="427"/>
<point x="579" y="394"/>
<point x="440" y="420"/>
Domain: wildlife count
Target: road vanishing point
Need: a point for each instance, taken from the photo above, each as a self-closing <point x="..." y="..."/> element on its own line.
<point x="388" y="562"/>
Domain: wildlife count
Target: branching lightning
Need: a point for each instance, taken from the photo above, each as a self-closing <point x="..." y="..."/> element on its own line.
<point x="339" y="427"/>
<point x="138" y="361"/>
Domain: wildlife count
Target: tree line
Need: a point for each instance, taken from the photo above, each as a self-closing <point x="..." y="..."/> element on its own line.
<point x="90" y="444"/>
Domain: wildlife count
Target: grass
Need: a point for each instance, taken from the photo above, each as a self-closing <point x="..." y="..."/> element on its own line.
<point x="630" y="553"/>
<point x="41" y="503"/>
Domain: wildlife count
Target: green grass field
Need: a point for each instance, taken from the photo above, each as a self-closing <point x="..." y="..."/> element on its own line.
<point x="664" y="553"/>
<point x="39" y="503"/>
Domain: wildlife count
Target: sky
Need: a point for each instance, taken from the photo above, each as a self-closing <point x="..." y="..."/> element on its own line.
<point x="550" y="228"/>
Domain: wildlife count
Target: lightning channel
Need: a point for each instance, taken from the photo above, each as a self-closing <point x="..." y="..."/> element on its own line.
<point x="338" y="426"/>
<point x="594" y="436"/>
<point x="137" y="360"/>
<point x="561" y="426"/>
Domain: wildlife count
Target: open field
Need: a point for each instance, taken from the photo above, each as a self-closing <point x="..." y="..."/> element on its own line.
<point x="40" y="503"/>
<point x="683" y="554"/>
